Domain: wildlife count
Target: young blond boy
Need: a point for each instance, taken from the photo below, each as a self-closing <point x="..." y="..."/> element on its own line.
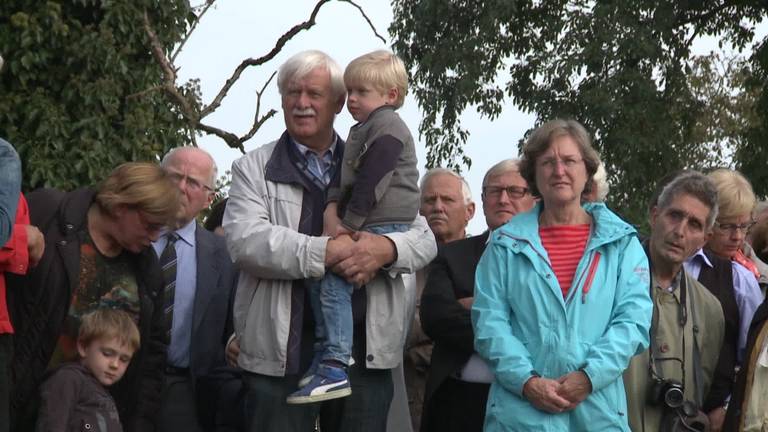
<point x="377" y="192"/>
<point x="75" y="397"/>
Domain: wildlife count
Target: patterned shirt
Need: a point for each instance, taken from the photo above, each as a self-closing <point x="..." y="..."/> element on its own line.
<point x="104" y="282"/>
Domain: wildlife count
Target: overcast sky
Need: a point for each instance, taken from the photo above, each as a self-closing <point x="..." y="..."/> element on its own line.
<point x="238" y="29"/>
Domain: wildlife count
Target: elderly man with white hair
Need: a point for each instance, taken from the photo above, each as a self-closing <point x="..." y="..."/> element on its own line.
<point x="446" y="202"/>
<point x="273" y="225"/>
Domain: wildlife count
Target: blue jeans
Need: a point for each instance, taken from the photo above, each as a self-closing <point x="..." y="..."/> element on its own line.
<point x="332" y="308"/>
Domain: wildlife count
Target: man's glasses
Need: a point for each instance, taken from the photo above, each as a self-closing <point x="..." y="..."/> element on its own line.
<point x="515" y="192"/>
<point x="192" y="182"/>
<point x="733" y="228"/>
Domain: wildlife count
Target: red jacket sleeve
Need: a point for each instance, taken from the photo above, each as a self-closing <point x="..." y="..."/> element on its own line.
<point x="14" y="256"/>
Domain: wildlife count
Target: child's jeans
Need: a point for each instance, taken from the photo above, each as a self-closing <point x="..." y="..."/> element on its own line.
<point x="332" y="308"/>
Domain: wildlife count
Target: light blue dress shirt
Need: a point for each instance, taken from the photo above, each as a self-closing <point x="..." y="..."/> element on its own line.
<point x="745" y="289"/>
<point x="184" y="296"/>
<point x="319" y="166"/>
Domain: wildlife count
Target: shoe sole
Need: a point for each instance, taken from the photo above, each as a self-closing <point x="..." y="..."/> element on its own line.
<point x="337" y="394"/>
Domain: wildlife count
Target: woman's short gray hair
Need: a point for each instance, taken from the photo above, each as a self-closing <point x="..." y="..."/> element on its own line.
<point x="301" y="64"/>
<point x="542" y="138"/>
<point x="465" y="192"/>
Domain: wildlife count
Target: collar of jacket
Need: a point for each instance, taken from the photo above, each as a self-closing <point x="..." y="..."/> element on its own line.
<point x="606" y="227"/>
<point x="73" y="218"/>
<point x="280" y="167"/>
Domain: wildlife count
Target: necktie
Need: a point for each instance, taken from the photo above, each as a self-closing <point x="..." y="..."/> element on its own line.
<point x="168" y="264"/>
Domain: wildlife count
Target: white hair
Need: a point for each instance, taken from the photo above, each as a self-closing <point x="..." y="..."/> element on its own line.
<point x="301" y="64"/>
<point x="601" y="185"/>
<point x="465" y="192"/>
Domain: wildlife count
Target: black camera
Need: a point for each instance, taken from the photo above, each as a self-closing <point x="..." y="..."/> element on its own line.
<point x="667" y="392"/>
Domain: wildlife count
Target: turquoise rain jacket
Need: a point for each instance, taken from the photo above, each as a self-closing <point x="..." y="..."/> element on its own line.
<point x="524" y="327"/>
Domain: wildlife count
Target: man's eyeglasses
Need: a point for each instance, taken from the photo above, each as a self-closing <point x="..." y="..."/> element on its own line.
<point x="733" y="228"/>
<point x="515" y="192"/>
<point x="568" y="163"/>
<point x="192" y="182"/>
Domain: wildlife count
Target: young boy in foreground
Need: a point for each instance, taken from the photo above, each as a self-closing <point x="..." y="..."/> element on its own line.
<point x="75" y="396"/>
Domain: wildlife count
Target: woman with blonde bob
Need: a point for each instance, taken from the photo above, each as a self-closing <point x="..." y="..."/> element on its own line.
<point x="736" y="201"/>
<point x="96" y="255"/>
<point x="562" y="297"/>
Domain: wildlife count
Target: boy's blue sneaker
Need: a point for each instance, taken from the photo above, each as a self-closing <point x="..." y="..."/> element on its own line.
<point x="310" y="373"/>
<point x="328" y="383"/>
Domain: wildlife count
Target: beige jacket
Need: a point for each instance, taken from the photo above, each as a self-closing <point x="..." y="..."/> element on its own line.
<point x="667" y="342"/>
<point x="261" y="223"/>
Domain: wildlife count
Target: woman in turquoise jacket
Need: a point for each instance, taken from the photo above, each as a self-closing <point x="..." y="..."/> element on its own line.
<point x="562" y="298"/>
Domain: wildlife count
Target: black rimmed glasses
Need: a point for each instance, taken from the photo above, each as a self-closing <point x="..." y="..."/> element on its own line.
<point x="514" y="192"/>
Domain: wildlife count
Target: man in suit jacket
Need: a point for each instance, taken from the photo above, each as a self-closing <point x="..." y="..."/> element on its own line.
<point x="458" y="382"/>
<point x="198" y="306"/>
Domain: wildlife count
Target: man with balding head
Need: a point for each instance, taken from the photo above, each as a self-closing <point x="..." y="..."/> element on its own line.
<point x="198" y="285"/>
<point x="458" y="382"/>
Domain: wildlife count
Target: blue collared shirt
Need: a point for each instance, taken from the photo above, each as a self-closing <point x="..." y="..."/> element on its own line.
<point x="745" y="289"/>
<point x="319" y="165"/>
<point x="184" y="296"/>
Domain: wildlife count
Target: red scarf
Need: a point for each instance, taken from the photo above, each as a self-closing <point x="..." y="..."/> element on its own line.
<point x="746" y="262"/>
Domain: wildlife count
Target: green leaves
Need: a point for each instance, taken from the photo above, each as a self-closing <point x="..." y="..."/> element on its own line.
<point x="623" y="69"/>
<point x="76" y="89"/>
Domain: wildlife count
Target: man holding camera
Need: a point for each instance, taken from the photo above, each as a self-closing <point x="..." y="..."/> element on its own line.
<point x="667" y="384"/>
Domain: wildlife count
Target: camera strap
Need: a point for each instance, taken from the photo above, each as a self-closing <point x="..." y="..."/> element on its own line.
<point x="682" y="319"/>
<point x="698" y="380"/>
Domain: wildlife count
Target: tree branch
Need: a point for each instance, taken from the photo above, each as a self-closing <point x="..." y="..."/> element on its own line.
<point x="263" y="59"/>
<point x="169" y="83"/>
<point x="199" y="17"/>
<point x="190" y="111"/>
<point x="706" y="15"/>
<point x="370" y="24"/>
<point x="257" y="122"/>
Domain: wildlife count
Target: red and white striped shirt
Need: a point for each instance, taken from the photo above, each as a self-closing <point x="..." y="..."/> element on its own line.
<point x="565" y="246"/>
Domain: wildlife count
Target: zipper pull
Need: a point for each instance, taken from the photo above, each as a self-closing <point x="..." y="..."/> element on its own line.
<point x="590" y="276"/>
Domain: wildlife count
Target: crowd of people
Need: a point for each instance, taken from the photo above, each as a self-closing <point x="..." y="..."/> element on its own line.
<point x="334" y="291"/>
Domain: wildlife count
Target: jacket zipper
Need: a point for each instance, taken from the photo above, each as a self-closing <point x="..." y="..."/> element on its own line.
<point x="590" y="277"/>
<point x="590" y="273"/>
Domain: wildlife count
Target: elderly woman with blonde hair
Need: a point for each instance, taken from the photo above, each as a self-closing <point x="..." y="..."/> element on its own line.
<point x="736" y="218"/>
